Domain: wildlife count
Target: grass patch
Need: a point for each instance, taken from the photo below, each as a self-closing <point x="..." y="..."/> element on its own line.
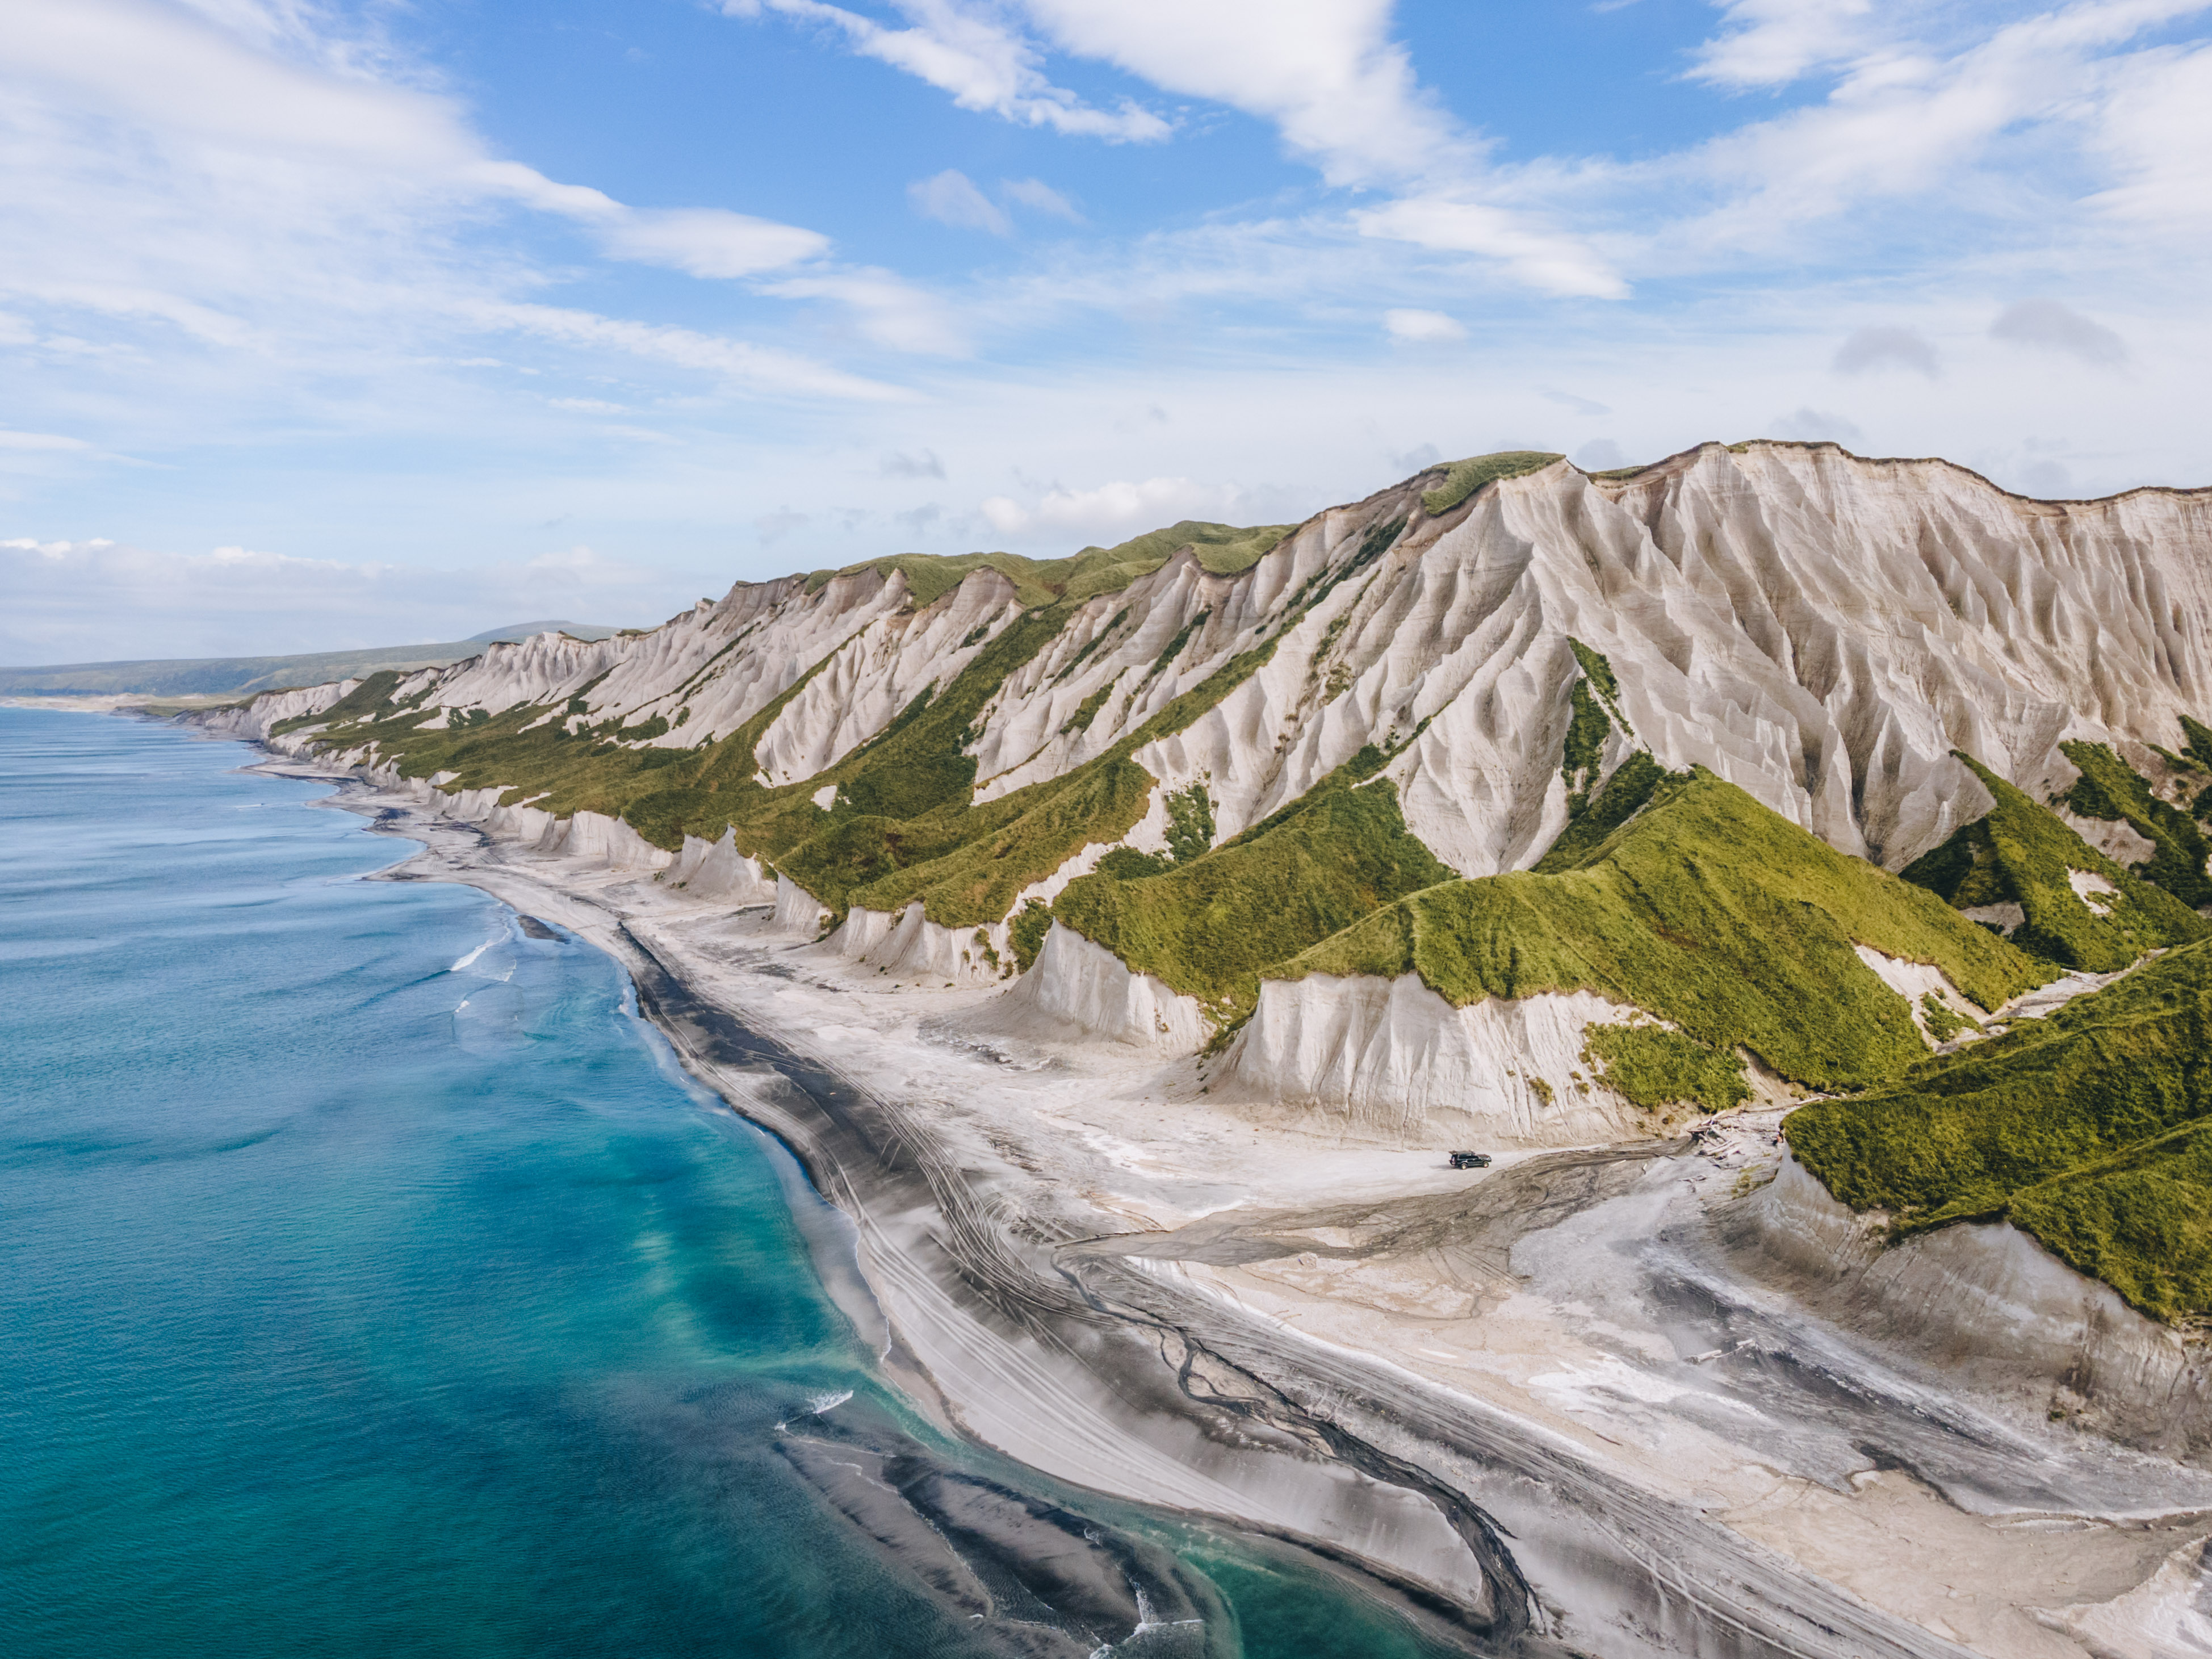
<point x="1713" y="913"/>
<point x="1625" y="793"/>
<point x="2111" y="789"/>
<point x="1209" y="923"/>
<point x="2019" y="854"/>
<point x="1464" y="478"/>
<point x="2089" y="1130"/>
<point x="1190" y="824"/>
<point x="1654" y="1067"/>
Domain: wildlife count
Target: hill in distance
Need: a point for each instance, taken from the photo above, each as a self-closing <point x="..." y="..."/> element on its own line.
<point x="236" y="677"/>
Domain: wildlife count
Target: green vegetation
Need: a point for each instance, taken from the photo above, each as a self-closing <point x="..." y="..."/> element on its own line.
<point x="1585" y="748"/>
<point x="1655" y="1067"/>
<point x="2091" y="1130"/>
<point x="2111" y="789"/>
<point x="1714" y="914"/>
<point x="1211" y="921"/>
<point x="1465" y="477"/>
<point x="1027" y="932"/>
<point x="2199" y="748"/>
<point x="2019" y="854"/>
<point x="1596" y="703"/>
<point x="1624" y="794"/>
<point x="1190" y="824"/>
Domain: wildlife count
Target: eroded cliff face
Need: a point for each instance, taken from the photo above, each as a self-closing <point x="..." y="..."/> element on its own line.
<point x="1820" y="630"/>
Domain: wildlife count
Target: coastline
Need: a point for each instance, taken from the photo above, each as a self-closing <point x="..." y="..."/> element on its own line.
<point x="1084" y="1302"/>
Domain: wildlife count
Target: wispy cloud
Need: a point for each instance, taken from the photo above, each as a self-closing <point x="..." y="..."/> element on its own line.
<point x="966" y="52"/>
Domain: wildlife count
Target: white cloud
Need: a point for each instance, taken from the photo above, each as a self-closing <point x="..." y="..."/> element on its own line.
<point x="1552" y="262"/>
<point x="1600" y="455"/>
<point x="587" y="405"/>
<point x="1110" y="508"/>
<point x="1407" y="324"/>
<point x="985" y="65"/>
<point x="1036" y="194"/>
<point x="1887" y="348"/>
<point x="1770" y="43"/>
<point x="2054" y="327"/>
<point x="711" y="241"/>
<point x="1342" y="93"/>
<point x="950" y="198"/>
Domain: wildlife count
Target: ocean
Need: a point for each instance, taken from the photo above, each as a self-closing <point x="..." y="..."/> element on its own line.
<point x="374" y="1281"/>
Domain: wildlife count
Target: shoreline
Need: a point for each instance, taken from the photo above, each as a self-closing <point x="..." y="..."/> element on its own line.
<point x="1141" y="1368"/>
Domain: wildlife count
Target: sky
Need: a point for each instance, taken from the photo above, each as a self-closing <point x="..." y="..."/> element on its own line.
<point x="336" y="325"/>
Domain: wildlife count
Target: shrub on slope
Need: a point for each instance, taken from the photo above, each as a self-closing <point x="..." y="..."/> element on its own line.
<point x="2091" y="1130"/>
<point x="1709" y="911"/>
<point x="2020" y="854"/>
<point x="1207" y="926"/>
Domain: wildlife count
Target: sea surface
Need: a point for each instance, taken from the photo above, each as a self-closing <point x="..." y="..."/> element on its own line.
<point x="373" y="1281"/>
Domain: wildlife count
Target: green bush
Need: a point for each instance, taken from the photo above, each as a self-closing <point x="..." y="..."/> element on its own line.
<point x="1655" y="1067"/>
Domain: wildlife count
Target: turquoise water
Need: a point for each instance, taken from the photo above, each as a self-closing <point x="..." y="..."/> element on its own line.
<point x="375" y="1283"/>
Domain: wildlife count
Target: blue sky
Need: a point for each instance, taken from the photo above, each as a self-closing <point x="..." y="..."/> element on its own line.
<point x="339" y="324"/>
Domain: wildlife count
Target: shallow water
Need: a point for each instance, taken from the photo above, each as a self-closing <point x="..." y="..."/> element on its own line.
<point x="375" y="1282"/>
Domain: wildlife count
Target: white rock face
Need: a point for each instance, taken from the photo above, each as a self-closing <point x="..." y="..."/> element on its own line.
<point x="715" y="869"/>
<point x="1077" y="991"/>
<point x="798" y="912"/>
<point x="909" y="943"/>
<point x="252" y="719"/>
<point x="1914" y="980"/>
<point x="1391" y="1056"/>
<point x="2093" y="890"/>
<point x="2116" y="841"/>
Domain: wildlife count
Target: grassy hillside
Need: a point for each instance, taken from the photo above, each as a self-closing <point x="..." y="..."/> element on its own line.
<point x="2091" y="1130"/>
<point x="1208" y="924"/>
<point x="2020" y="854"/>
<point x="1711" y="912"/>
